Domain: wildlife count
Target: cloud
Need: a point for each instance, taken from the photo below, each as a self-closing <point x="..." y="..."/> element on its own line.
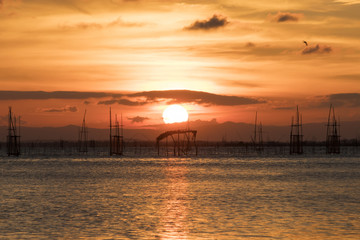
<point x="196" y="97"/>
<point x="285" y="17"/>
<point x="135" y="99"/>
<point x="237" y="83"/>
<point x="4" y="3"/>
<point x="284" y="108"/>
<point x="316" y="49"/>
<point x="62" y="109"/>
<point x="125" y="102"/>
<point x="212" y="23"/>
<point x="348" y="2"/>
<point x="41" y="95"/>
<point x="351" y="100"/>
<point x="345" y="99"/>
<point x="181" y="96"/>
<point x="250" y="45"/>
<point x="92" y="25"/>
<point x="120" y="22"/>
<point x="138" y="119"/>
<point x="348" y="77"/>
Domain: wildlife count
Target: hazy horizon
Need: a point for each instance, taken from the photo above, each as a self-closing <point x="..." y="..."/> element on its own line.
<point x="207" y="131"/>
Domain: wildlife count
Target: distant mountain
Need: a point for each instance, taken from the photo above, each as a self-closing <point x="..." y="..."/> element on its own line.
<point x="207" y="130"/>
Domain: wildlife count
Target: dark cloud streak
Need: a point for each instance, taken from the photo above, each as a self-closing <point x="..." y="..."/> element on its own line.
<point x="41" y="95"/>
<point x="281" y="17"/>
<point x="125" y="102"/>
<point x="345" y="99"/>
<point x="197" y="97"/>
<point x="58" y="110"/>
<point x="212" y="23"/>
<point x="316" y="49"/>
<point x="138" y="119"/>
<point x="136" y="99"/>
<point x="92" y="25"/>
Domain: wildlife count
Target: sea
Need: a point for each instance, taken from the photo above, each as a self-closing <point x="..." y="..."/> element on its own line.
<point x="45" y="196"/>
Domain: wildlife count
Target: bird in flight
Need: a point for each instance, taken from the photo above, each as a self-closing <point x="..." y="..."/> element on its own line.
<point x="306" y="43"/>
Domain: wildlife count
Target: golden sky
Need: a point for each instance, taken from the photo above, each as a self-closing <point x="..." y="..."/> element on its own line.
<point x="220" y="59"/>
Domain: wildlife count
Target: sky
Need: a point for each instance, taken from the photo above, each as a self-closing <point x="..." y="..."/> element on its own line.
<point x="221" y="60"/>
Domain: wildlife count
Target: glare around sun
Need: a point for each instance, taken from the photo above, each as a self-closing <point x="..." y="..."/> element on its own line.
<point x="175" y="114"/>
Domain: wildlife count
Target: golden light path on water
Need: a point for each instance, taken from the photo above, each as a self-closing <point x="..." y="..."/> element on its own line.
<point x="174" y="219"/>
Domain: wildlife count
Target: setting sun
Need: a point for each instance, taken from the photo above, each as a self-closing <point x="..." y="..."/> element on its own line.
<point x="175" y="114"/>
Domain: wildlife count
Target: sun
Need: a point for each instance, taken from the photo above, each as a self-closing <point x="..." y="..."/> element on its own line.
<point x="175" y="114"/>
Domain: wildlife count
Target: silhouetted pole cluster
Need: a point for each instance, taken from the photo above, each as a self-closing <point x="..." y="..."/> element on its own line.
<point x="13" y="138"/>
<point x="117" y="140"/>
<point x="332" y="133"/>
<point x="83" y="137"/>
<point x="296" y="136"/>
<point x="257" y="139"/>
<point x="181" y="142"/>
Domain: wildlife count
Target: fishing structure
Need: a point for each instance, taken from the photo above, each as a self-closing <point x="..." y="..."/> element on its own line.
<point x="257" y="139"/>
<point x="116" y="140"/>
<point x="181" y="142"/>
<point x="296" y="135"/>
<point x="332" y="133"/>
<point x="13" y="137"/>
<point x="83" y="137"/>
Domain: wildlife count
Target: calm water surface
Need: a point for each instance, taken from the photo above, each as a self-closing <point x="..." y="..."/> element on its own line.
<point x="179" y="198"/>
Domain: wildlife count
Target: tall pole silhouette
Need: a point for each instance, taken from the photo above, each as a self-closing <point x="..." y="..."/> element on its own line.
<point x="332" y="133"/>
<point x="110" y="135"/>
<point x="83" y="137"/>
<point x="296" y="136"/>
<point x="257" y="139"/>
<point x="117" y="140"/>
<point x="13" y="138"/>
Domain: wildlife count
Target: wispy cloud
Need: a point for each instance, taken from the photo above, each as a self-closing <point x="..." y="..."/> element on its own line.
<point x="348" y="77"/>
<point x="211" y="23"/>
<point x="348" y="2"/>
<point x="61" y="109"/>
<point x="138" y="119"/>
<point x="351" y="100"/>
<point x="250" y="45"/>
<point x="345" y="99"/>
<point x="285" y="17"/>
<point x="284" y="108"/>
<point x="93" y="25"/>
<point x="134" y="99"/>
<point x="317" y="49"/>
<point x="4" y="3"/>
<point x="137" y="99"/>
<point x="182" y="96"/>
<point x="238" y="83"/>
<point x="125" y="102"/>
<point x="41" y="95"/>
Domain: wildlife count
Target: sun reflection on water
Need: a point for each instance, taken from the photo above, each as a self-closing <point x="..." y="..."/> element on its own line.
<point x="174" y="211"/>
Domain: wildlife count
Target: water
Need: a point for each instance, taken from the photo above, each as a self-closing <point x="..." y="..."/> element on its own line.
<point x="180" y="198"/>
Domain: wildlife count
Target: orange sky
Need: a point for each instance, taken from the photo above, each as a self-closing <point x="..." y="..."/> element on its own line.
<point x="228" y="58"/>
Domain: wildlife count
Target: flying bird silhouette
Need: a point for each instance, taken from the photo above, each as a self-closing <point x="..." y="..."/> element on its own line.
<point x="306" y="43"/>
